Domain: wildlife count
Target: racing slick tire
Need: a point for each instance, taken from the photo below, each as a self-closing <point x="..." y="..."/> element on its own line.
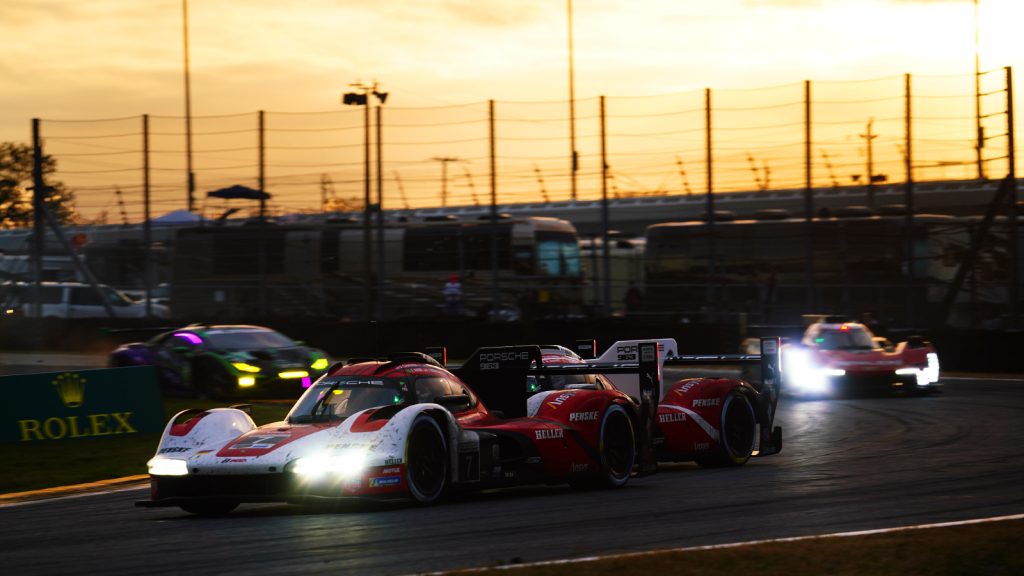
<point x="209" y="508"/>
<point x="426" y="460"/>
<point x="616" y="446"/>
<point x="737" y="429"/>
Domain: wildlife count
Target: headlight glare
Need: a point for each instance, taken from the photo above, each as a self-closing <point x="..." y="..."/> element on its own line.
<point x="319" y="364"/>
<point x="159" y="466"/>
<point x="342" y="465"/>
<point x="245" y="367"/>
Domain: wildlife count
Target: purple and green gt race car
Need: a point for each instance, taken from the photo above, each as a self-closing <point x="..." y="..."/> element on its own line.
<point x="226" y="362"/>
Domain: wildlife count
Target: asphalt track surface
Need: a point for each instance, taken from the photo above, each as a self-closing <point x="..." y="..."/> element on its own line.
<point x="850" y="464"/>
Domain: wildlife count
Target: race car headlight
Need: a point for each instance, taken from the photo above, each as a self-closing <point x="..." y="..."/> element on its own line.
<point x="804" y="375"/>
<point x="341" y="466"/>
<point x="292" y="374"/>
<point x="245" y="367"/>
<point x="159" y="466"/>
<point x="246" y="381"/>
<point x="319" y="364"/>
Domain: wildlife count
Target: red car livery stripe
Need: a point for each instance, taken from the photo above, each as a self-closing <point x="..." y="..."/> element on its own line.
<point x="268" y="438"/>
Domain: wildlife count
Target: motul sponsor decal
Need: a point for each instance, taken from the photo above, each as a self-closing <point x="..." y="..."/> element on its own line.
<point x="671" y="417"/>
<point x="395" y="470"/>
<point x="583" y="416"/>
<point x="699" y="402"/>
<point x="549" y="433"/>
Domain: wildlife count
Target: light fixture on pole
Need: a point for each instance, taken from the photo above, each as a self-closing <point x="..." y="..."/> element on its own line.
<point x="362" y="98"/>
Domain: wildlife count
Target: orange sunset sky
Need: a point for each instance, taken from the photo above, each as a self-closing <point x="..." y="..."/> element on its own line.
<point x="72" y="60"/>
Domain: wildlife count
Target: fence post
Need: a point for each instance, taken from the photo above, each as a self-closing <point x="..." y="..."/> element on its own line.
<point x="908" y="195"/>
<point x="492" y="138"/>
<point x="147" y="232"/>
<point x="810" y="292"/>
<point x="709" y="170"/>
<point x="1012" y="203"/>
<point x="606" y="297"/>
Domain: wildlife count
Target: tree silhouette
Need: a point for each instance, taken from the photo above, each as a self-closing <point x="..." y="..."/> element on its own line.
<point x="16" y="188"/>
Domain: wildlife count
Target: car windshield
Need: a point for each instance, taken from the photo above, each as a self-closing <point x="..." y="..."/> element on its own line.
<point x="338" y="397"/>
<point x="247" y="339"/>
<point x="849" y="339"/>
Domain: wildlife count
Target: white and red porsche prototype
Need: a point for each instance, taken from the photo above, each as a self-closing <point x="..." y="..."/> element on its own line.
<point x="835" y="357"/>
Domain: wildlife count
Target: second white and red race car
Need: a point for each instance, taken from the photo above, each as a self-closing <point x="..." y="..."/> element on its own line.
<point x="835" y="358"/>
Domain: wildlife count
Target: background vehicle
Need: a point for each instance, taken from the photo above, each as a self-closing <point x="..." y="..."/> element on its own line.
<point x="74" y="300"/>
<point x="226" y="361"/>
<point x="837" y="357"/>
<point x="405" y="427"/>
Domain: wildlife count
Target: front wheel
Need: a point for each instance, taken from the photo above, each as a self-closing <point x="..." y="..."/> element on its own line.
<point x="737" y="430"/>
<point x="426" y="460"/>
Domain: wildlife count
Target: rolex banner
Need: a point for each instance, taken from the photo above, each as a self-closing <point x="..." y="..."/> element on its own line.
<point x="80" y="404"/>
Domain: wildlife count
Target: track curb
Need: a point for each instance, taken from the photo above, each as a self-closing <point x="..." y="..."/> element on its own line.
<point x="44" y="493"/>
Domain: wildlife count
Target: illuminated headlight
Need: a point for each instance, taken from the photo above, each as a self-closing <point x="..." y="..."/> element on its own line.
<point x="159" y="466"/>
<point x="244" y="367"/>
<point x="336" y="466"/>
<point x="932" y="371"/>
<point x="246" y="381"/>
<point x="319" y="364"/>
<point x="804" y="376"/>
<point x="291" y="374"/>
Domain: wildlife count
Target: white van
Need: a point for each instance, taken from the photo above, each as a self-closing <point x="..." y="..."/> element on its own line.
<point x="73" y="300"/>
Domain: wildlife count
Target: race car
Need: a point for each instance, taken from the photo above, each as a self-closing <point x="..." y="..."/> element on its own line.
<point x="837" y="357"/>
<point x="712" y="421"/>
<point x="226" y="361"/>
<point x="408" y="428"/>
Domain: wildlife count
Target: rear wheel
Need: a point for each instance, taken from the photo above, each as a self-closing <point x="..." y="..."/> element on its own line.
<point x="617" y="447"/>
<point x="737" y="430"/>
<point x="426" y="460"/>
<point x="210" y="508"/>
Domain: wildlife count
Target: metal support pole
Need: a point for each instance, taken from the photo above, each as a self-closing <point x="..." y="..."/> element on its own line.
<point x="1011" y="213"/>
<point x="979" y="129"/>
<point x="709" y="169"/>
<point x="147" y="226"/>
<point x="380" y="221"/>
<point x="574" y="157"/>
<point x="38" y="223"/>
<point x="367" y="268"/>
<point x="606" y="297"/>
<point x="262" y="165"/>
<point x="908" y="199"/>
<point x="191" y="180"/>
<point x="492" y="140"/>
<point x="809" y="279"/>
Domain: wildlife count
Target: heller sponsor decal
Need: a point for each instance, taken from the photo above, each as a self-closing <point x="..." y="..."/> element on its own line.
<point x="671" y="417"/>
<point x="549" y="433"/>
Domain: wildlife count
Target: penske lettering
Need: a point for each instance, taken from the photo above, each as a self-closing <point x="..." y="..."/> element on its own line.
<point x="699" y="402"/>
<point x="56" y="428"/>
<point x="582" y="416"/>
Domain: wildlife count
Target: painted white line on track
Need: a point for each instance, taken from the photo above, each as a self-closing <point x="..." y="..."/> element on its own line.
<point x="144" y="485"/>
<point x="969" y="379"/>
<point x="730" y="545"/>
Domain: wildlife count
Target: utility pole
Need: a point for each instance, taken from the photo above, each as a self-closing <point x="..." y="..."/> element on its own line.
<point x="444" y="160"/>
<point x="871" y="163"/>
<point x="977" y="98"/>
<point x="191" y="179"/>
<point x="575" y="165"/>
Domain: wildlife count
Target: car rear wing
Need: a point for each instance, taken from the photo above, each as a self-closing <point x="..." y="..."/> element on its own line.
<point x="768" y="388"/>
<point x="499" y="375"/>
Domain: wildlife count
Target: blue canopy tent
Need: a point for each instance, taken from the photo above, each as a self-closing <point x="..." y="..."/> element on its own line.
<point x="239" y="192"/>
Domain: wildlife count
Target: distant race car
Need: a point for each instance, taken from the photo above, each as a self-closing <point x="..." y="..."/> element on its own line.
<point x="409" y="428"/>
<point x="836" y="357"/>
<point x="226" y="361"/>
<point x="712" y="421"/>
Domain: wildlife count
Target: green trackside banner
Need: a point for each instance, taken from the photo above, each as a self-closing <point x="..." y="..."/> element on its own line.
<point x="80" y="404"/>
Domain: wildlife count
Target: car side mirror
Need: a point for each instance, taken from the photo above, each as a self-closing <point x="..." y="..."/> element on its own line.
<point x="453" y="401"/>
